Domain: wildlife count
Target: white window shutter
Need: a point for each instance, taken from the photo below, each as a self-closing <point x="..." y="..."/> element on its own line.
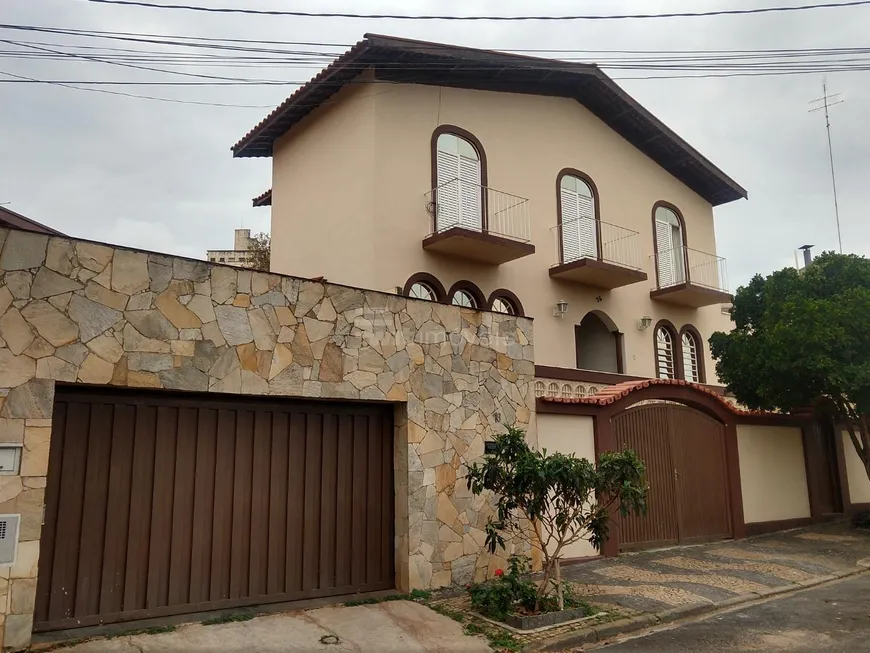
<point x="470" y="192"/>
<point x="570" y="227"/>
<point x="587" y="227"/>
<point x="665" y="255"/>
<point x="447" y="193"/>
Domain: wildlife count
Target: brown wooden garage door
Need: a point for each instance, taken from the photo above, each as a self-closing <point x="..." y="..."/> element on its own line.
<point x="684" y="453"/>
<point x="161" y="504"/>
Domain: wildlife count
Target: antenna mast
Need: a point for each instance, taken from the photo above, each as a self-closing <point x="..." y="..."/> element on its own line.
<point x="826" y="103"/>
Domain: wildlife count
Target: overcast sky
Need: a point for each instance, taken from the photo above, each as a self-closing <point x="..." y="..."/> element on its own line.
<point x="160" y="176"/>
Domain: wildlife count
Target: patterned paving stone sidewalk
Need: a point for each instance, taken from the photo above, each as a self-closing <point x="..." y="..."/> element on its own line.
<point x="634" y="588"/>
<point x="653" y="581"/>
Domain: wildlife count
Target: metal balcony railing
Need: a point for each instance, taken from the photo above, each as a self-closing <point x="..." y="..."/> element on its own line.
<point x="683" y="264"/>
<point x="589" y="238"/>
<point x="463" y="204"/>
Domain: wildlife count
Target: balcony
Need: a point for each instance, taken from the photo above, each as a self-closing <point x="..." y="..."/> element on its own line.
<point x="477" y="223"/>
<point x="597" y="254"/>
<point x="691" y="278"/>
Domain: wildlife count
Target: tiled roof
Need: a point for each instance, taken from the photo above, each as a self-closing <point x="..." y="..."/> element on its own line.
<point x="613" y="393"/>
<point x="264" y="199"/>
<point x="391" y="59"/>
<point x="15" y="220"/>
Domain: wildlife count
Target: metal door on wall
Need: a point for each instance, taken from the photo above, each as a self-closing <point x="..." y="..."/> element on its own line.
<point x="160" y="504"/>
<point x="684" y="453"/>
<point x="823" y="476"/>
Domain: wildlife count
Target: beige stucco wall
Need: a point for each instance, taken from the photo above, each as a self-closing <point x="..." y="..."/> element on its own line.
<point x="772" y="473"/>
<point x="82" y="312"/>
<point x="323" y="192"/>
<point x="859" y="484"/>
<point x="528" y="140"/>
<point x="569" y="434"/>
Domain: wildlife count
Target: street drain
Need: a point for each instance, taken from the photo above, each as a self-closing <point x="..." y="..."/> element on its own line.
<point x="330" y="639"/>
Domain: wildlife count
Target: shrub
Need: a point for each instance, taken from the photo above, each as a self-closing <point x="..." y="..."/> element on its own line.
<point x="552" y="500"/>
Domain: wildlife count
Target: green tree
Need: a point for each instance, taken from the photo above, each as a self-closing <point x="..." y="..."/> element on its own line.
<point x="802" y="341"/>
<point x="260" y="249"/>
<point x="552" y="500"/>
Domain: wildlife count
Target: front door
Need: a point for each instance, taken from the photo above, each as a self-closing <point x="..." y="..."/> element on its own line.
<point x="684" y="453"/>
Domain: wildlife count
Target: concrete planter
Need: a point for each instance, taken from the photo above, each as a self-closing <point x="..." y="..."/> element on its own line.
<point x="536" y="621"/>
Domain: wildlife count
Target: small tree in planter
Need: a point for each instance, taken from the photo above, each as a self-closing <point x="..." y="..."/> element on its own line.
<point x="552" y="500"/>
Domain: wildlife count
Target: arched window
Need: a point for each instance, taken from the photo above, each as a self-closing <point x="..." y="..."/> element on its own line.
<point x="504" y="301"/>
<point x="670" y="246"/>
<point x="424" y="286"/>
<point x="598" y="344"/>
<point x="567" y="391"/>
<point x="540" y="389"/>
<point x="553" y="390"/>
<point x="690" y="358"/>
<point x="459" y="180"/>
<point x="422" y="290"/>
<point x="692" y="354"/>
<point x="578" y="216"/>
<point x="463" y="298"/>
<point x="466" y="294"/>
<point x="664" y="348"/>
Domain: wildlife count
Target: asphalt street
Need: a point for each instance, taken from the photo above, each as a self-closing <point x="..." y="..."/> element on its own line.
<point x="833" y="617"/>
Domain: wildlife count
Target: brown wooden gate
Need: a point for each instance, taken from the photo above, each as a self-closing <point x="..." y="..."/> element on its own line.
<point x="684" y="453"/>
<point x="822" y="474"/>
<point x="160" y="504"/>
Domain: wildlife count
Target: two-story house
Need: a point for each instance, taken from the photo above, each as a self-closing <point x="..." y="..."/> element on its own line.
<point x="539" y="188"/>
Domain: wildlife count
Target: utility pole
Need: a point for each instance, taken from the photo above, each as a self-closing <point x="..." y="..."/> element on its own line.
<point x="826" y="103"/>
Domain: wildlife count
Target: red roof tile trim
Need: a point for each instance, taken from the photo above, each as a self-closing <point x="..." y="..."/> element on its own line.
<point x="613" y="393"/>
<point x="264" y="199"/>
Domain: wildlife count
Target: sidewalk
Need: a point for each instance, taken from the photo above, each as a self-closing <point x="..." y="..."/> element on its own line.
<point x="638" y="590"/>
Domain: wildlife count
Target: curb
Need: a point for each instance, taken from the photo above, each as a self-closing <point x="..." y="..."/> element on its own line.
<point x="632" y="624"/>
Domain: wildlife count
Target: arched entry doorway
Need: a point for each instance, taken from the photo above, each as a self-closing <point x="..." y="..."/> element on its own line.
<point x="598" y="344"/>
<point x="684" y="450"/>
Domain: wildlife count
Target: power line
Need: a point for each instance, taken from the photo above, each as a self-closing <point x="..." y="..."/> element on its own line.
<point x="131" y="95"/>
<point x="314" y="14"/>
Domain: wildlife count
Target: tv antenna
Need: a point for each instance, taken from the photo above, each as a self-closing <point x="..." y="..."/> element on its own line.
<point x="827" y="102"/>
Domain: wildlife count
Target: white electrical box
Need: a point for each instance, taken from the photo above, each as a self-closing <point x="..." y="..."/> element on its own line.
<point x="8" y="538"/>
<point x="10" y="458"/>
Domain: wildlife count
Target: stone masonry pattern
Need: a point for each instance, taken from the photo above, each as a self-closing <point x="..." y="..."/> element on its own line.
<point x="82" y="312"/>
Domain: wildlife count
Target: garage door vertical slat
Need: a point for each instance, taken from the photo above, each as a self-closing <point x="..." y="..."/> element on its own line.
<point x="313" y="486"/>
<point x="136" y="584"/>
<point x="278" y="500"/>
<point x="182" y="506"/>
<point x="241" y="547"/>
<point x="344" y="500"/>
<point x="163" y="504"/>
<point x="52" y="495"/>
<point x="387" y="499"/>
<point x="259" y="559"/>
<point x="95" y="501"/>
<point x="223" y="505"/>
<point x="161" y="522"/>
<point x="328" y="501"/>
<point x="203" y="506"/>
<point x="373" y="514"/>
<point x="360" y="483"/>
<point x="69" y="520"/>
<point x="295" y="502"/>
<point x="118" y="510"/>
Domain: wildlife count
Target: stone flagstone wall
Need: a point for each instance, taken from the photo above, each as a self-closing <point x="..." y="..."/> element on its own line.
<point x="83" y="312"/>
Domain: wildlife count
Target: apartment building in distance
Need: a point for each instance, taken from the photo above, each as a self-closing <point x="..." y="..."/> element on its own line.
<point x="239" y="255"/>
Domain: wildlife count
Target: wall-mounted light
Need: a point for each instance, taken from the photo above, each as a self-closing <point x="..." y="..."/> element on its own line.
<point x="644" y="323"/>
<point x="560" y="309"/>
